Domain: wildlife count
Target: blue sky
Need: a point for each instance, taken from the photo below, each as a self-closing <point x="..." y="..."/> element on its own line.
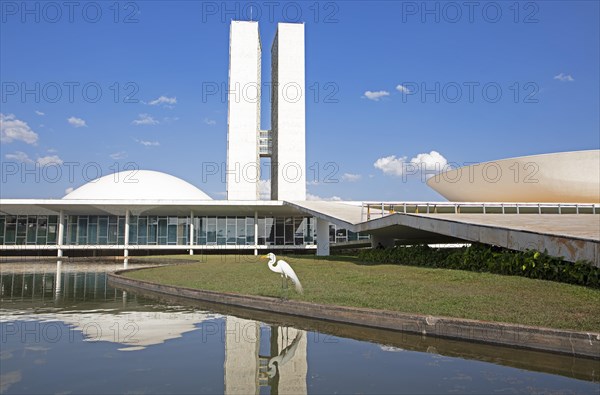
<point x="367" y="64"/>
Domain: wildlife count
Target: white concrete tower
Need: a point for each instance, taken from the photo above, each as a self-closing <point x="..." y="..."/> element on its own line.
<point x="288" y="123"/>
<point x="243" y="118"/>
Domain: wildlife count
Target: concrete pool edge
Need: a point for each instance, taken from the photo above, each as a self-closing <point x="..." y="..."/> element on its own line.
<point x="574" y="343"/>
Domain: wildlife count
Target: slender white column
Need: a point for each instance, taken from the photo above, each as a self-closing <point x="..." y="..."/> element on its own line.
<point x="255" y="232"/>
<point x="191" y="233"/>
<point x="322" y="237"/>
<point x="126" y="235"/>
<point x="61" y="232"/>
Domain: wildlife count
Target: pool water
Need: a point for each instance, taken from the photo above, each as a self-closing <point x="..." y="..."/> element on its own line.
<point x="64" y="329"/>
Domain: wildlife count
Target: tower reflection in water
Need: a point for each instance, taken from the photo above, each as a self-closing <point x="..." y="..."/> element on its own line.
<point x="283" y="368"/>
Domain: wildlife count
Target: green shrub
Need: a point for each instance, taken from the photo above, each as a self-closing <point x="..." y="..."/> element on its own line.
<point x="484" y="258"/>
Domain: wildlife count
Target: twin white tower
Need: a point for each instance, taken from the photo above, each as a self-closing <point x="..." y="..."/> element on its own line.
<point x="285" y="142"/>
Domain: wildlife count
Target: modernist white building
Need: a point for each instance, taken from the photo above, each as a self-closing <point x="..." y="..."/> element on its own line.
<point x="148" y="210"/>
<point x="144" y="211"/>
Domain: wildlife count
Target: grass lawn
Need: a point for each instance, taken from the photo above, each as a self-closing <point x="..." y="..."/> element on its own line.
<point x="345" y="281"/>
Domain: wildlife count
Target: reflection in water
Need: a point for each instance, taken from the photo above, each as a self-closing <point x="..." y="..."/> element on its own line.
<point x="284" y="369"/>
<point x="58" y="278"/>
<point x="287" y="368"/>
<point x="64" y="321"/>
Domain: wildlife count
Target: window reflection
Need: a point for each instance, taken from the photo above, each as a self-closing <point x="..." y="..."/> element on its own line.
<point x="167" y="230"/>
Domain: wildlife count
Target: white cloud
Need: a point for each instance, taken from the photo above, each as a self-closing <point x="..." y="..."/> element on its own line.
<point x="264" y="189"/>
<point x="310" y="196"/>
<point x="402" y="89"/>
<point x="39" y="113"/>
<point x="148" y="143"/>
<point x="351" y="177"/>
<point x="49" y="160"/>
<point x="145" y="119"/>
<point x="376" y="95"/>
<point x="76" y="122"/>
<point x="391" y="165"/>
<point x="431" y="162"/>
<point x="562" y="77"/>
<point x="163" y="100"/>
<point x="19" y="156"/>
<point x="312" y="182"/>
<point x="118" y="155"/>
<point x="210" y="122"/>
<point x="12" y="129"/>
<point x="68" y="190"/>
<point x="423" y="163"/>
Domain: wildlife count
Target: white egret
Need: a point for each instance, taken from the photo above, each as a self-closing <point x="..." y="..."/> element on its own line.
<point x="283" y="268"/>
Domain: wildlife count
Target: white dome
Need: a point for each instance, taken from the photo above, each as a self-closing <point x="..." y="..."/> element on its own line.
<point x="138" y="184"/>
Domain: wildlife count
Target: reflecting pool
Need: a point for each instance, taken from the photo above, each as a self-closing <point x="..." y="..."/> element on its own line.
<point x="64" y="329"/>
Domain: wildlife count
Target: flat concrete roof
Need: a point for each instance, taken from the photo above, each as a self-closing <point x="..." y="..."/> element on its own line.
<point x="143" y="207"/>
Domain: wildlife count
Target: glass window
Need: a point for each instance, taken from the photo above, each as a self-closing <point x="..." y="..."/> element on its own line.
<point x="299" y="229"/>
<point x="31" y="229"/>
<point x="221" y="231"/>
<point x="52" y="229"/>
<point x="270" y="230"/>
<point x="289" y="231"/>
<point x="133" y="229"/>
<point x="142" y="228"/>
<point x="200" y="226"/>
<point x="10" y="234"/>
<point x="308" y="233"/>
<point x="182" y="231"/>
<point x="121" y="230"/>
<point x="200" y="229"/>
<point x="231" y="231"/>
<point x="82" y="229"/>
<point x="72" y="230"/>
<point x="112" y="230"/>
<point x="21" y="229"/>
<point x="152" y="230"/>
<point x="211" y="230"/>
<point x="103" y="230"/>
<point x="172" y="231"/>
<point x="241" y="231"/>
<point x="262" y="237"/>
<point x="249" y="230"/>
<point x="279" y="227"/>
<point x="2" y="223"/>
<point x="93" y="229"/>
<point x="352" y="236"/>
<point x="162" y="230"/>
